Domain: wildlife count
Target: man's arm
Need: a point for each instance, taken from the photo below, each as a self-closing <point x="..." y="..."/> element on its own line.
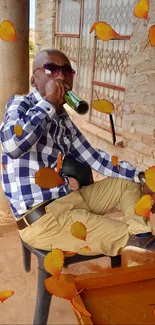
<point x="99" y="160"/>
<point x="32" y="120"/>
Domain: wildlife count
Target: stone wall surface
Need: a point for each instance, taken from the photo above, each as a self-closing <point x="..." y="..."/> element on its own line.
<point x="45" y="24"/>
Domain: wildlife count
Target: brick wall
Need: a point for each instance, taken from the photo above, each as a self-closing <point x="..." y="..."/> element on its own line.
<point x="45" y="24"/>
<point x="139" y="110"/>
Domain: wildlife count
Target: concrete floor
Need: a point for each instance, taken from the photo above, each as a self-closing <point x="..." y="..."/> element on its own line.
<point x="19" y="309"/>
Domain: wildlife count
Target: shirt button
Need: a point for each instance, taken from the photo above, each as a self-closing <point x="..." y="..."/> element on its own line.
<point x="48" y="109"/>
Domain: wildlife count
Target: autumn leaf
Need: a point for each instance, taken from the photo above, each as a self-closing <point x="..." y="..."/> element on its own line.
<point x="152" y="35"/>
<point x="62" y="287"/>
<point x="69" y="254"/>
<point x="141" y="9"/>
<point x="53" y="262"/>
<point x="103" y="106"/>
<point x="5" y="294"/>
<point x="143" y="206"/>
<point x="48" y="178"/>
<point x="18" y="130"/>
<point x="85" y="249"/>
<point x="59" y="162"/>
<point x="3" y="166"/>
<point x="150" y="178"/>
<point x="114" y="160"/>
<point x="7" y="31"/>
<point x="78" y="230"/>
<point x="79" y="308"/>
<point x="103" y="31"/>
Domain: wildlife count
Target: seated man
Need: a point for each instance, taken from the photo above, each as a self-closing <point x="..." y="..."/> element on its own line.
<point x="44" y="215"/>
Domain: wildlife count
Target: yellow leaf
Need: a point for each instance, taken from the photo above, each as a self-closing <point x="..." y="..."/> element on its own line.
<point x="80" y="309"/>
<point x="62" y="287"/>
<point x="18" y="130"/>
<point x="7" y="31"/>
<point x="53" y="262"/>
<point x="152" y="35"/>
<point x="143" y="206"/>
<point x="103" y="106"/>
<point x="150" y="178"/>
<point x="78" y="230"/>
<point x="5" y="294"/>
<point x="85" y="249"/>
<point x="141" y="9"/>
<point x="103" y="31"/>
<point x="48" y="178"/>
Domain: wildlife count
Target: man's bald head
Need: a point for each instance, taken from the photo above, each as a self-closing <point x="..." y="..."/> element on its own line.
<point x="43" y="57"/>
<point x="40" y="78"/>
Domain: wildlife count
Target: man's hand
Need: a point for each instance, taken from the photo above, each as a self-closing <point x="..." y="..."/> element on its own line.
<point x="55" y="92"/>
<point x="146" y="190"/>
<point x="74" y="185"/>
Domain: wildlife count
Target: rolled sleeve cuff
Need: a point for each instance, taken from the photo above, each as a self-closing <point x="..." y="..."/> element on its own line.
<point x="47" y="107"/>
<point x="136" y="178"/>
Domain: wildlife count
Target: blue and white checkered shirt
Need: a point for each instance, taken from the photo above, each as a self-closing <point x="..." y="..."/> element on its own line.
<point x="45" y="134"/>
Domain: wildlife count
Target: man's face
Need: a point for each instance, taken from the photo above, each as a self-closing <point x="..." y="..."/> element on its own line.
<point x="40" y="76"/>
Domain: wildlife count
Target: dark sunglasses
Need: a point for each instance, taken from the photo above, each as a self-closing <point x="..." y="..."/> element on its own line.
<point x="53" y="70"/>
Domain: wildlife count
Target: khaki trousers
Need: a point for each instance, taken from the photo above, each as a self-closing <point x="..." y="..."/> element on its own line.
<point x="89" y="205"/>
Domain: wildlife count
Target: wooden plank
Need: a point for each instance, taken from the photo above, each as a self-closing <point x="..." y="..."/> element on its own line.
<point x="115" y="277"/>
<point x="69" y="35"/>
<point x="108" y="85"/>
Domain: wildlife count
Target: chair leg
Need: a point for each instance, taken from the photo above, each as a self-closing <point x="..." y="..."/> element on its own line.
<point x="43" y="300"/>
<point x="116" y="261"/>
<point x="26" y="258"/>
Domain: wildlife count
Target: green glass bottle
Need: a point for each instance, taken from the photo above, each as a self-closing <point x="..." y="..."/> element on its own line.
<point x="78" y="104"/>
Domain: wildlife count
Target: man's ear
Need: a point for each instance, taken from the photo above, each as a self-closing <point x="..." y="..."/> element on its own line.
<point x="33" y="84"/>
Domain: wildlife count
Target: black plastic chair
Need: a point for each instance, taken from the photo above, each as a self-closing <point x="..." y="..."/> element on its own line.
<point x="83" y="174"/>
<point x="43" y="299"/>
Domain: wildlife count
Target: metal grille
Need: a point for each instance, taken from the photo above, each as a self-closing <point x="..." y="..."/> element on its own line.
<point x="69" y="16"/>
<point x="118" y="14"/>
<point x="101" y="66"/>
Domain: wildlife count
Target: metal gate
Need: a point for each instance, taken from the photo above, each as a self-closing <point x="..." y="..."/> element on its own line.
<point x="101" y="66"/>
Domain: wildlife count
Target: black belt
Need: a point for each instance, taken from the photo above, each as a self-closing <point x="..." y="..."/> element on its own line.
<point x="33" y="215"/>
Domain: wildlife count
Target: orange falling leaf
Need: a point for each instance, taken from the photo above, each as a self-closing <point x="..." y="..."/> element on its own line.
<point x="103" y="106"/>
<point x="114" y="160"/>
<point x="141" y="9"/>
<point x="53" y="262"/>
<point x="48" y="178"/>
<point x="59" y="162"/>
<point x="79" y="308"/>
<point x="103" y="31"/>
<point x="143" y="206"/>
<point x="78" y="230"/>
<point x="62" y="287"/>
<point x="18" y="130"/>
<point x="5" y="295"/>
<point x="152" y="35"/>
<point x="153" y="312"/>
<point x="85" y="249"/>
<point x="150" y="178"/>
<point x="69" y="254"/>
<point x="7" y="31"/>
<point x="3" y="166"/>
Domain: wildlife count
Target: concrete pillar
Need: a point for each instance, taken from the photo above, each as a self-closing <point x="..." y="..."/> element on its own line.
<point x="45" y="24"/>
<point x="14" y="69"/>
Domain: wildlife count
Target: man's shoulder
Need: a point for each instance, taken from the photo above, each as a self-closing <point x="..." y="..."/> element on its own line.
<point x="19" y="99"/>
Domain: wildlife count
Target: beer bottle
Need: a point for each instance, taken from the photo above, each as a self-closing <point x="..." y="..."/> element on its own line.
<point x="78" y="104"/>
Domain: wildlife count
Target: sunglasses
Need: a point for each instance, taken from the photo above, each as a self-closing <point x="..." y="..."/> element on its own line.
<point x="53" y="70"/>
